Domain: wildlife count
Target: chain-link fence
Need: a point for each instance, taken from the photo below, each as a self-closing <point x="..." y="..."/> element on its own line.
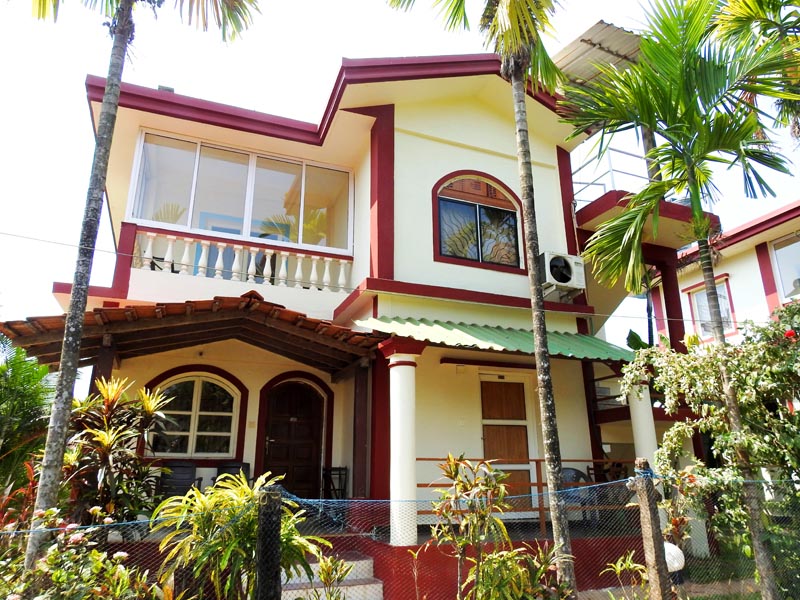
<point x="217" y="553"/>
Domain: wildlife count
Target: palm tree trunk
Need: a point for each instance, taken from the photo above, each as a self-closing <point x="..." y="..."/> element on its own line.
<point x="752" y="490"/>
<point x="50" y="478"/>
<point x="547" y="405"/>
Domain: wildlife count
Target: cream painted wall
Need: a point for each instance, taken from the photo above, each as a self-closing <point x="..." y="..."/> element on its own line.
<point x="395" y="305"/>
<point x="435" y="139"/>
<point x="449" y="411"/>
<point x="254" y="368"/>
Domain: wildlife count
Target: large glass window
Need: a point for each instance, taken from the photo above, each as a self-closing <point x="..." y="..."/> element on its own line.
<point x="477" y="223"/>
<point x="232" y="192"/>
<point x="702" y="314"/>
<point x="787" y="261"/>
<point x="200" y="419"/>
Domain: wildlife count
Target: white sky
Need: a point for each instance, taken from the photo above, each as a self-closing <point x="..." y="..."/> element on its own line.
<point x="284" y="65"/>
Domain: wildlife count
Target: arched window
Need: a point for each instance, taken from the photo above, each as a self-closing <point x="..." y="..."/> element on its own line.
<point x="476" y="223"/>
<point x="201" y="419"/>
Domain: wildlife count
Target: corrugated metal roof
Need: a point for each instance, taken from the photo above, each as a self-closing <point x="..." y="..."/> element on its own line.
<point x="602" y="43"/>
<point x="502" y="339"/>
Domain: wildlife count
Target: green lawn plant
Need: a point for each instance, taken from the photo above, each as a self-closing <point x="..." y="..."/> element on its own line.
<point x="469" y="527"/>
<point x="631" y="577"/>
<point x="213" y="535"/>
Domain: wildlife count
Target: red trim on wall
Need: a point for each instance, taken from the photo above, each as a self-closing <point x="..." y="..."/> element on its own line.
<point x="381" y="193"/>
<point x="768" y="277"/>
<point x="697" y="286"/>
<point x="230" y="378"/>
<point x="300" y="377"/>
<point x="402" y="363"/>
<point x="379" y="441"/>
<point x="434" y="291"/>
<point x="487" y="363"/>
<point x="672" y="304"/>
<point x="510" y="195"/>
<point x="658" y="311"/>
<point x="567" y="198"/>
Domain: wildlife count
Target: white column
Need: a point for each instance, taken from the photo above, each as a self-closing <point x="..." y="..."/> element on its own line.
<point x="403" y="449"/>
<point x="645" y="442"/>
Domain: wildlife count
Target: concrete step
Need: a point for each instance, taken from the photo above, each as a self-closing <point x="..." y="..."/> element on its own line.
<point x="352" y="589"/>
<point x="359" y="585"/>
<point x="362" y="568"/>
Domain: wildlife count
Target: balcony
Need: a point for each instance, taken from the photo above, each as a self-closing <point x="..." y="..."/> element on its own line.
<point x="167" y="265"/>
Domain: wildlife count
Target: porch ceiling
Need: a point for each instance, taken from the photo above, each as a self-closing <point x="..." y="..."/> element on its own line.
<point x="136" y="331"/>
<point x="501" y="339"/>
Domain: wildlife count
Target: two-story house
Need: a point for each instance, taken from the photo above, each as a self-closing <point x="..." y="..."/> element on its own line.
<point x="354" y="293"/>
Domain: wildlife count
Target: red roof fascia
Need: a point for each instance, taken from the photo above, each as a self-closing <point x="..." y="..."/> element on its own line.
<point x="752" y="228"/>
<point x="352" y="71"/>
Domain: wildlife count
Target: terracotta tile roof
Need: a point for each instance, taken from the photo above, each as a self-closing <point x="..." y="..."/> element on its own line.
<point x="134" y="331"/>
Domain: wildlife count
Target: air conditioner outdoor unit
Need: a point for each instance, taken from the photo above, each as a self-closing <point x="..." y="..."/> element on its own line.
<point x="561" y="272"/>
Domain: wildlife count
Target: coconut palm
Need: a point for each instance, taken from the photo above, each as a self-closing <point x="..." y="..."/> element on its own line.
<point x="513" y="29"/>
<point x="696" y="93"/>
<point x="232" y="17"/>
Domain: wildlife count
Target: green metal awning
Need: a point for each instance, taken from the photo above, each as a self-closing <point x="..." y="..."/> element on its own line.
<point x="501" y="339"/>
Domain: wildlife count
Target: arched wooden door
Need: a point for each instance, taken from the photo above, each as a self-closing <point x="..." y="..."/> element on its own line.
<point x="293" y="444"/>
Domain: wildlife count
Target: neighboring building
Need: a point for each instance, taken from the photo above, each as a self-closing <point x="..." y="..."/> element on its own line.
<point x="757" y="269"/>
<point x="355" y="293"/>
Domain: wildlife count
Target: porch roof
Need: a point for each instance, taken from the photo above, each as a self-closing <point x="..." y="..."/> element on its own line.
<point x="135" y="331"/>
<point x="503" y="339"/>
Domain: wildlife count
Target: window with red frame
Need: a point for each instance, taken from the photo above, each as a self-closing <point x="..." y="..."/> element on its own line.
<point x="702" y="313"/>
<point x="478" y="223"/>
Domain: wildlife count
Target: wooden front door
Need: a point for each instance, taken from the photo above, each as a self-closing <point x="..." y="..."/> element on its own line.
<point x="294" y="437"/>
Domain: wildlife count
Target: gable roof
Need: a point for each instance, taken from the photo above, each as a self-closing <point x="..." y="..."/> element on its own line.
<point x="352" y="72"/>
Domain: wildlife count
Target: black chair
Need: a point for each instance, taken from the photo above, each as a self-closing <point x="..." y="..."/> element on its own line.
<point x="178" y="477"/>
<point x="233" y="468"/>
<point x="575" y="494"/>
<point x="335" y="482"/>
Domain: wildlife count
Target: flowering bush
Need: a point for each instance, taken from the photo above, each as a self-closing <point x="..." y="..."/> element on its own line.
<point x="72" y="568"/>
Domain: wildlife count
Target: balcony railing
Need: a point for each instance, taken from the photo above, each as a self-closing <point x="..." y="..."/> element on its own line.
<point x="196" y="255"/>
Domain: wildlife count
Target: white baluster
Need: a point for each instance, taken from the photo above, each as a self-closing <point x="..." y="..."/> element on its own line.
<point x="219" y="265"/>
<point x="188" y="244"/>
<point x="236" y="268"/>
<point x="268" y="267"/>
<point x="147" y="258"/>
<point x="283" y="257"/>
<point x="202" y="264"/>
<point x="298" y="270"/>
<point x="326" y="275"/>
<point x="313" y="278"/>
<point x="169" y="255"/>
<point x="342" y="283"/>
<point x="251" y="268"/>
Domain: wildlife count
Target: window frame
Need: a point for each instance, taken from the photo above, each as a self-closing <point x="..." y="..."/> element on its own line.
<point x="247" y="216"/>
<point x="776" y="267"/>
<point x="195" y="377"/>
<point x="699" y="288"/>
<point x="439" y="191"/>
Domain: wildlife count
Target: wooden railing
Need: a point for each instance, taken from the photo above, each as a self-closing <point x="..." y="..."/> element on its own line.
<point x="200" y="255"/>
<point x="595" y="472"/>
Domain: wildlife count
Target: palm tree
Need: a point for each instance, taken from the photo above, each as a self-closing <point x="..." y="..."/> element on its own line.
<point x="696" y="94"/>
<point x="776" y="21"/>
<point x="232" y="17"/>
<point x="513" y="29"/>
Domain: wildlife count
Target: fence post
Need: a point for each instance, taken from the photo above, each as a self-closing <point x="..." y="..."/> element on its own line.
<point x="268" y="544"/>
<point x="657" y="574"/>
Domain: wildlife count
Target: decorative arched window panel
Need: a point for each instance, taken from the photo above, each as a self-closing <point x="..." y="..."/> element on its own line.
<point x="476" y="223"/>
<point x="201" y="419"/>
